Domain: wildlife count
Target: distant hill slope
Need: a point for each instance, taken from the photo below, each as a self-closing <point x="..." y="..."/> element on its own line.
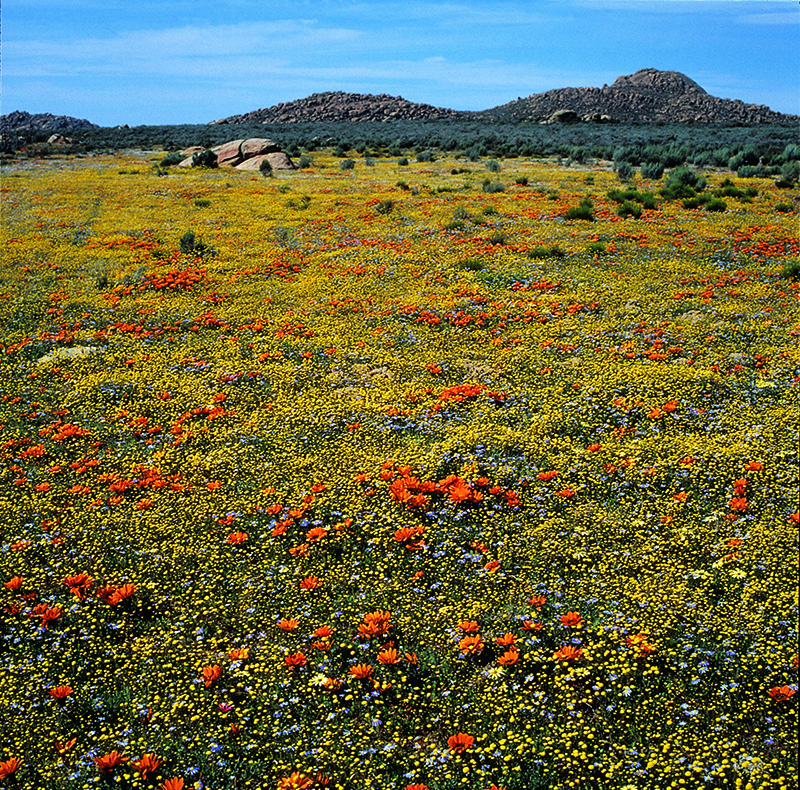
<point x="19" y="121"/>
<point x="648" y="95"/>
<point x="340" y="106"/>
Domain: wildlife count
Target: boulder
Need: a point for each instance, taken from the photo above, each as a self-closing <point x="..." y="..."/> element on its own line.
<point x="194" y="149"/>
<point x="58" y="139"/>
<point x="229" y="154"/>
<point x="188" y="161"/>
<point x="278" y="160"/>
<point x="256" y="146"/>
<point x="564" y="116"/>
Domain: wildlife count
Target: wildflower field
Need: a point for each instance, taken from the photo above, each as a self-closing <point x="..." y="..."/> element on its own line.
<point x="396" y="477"/>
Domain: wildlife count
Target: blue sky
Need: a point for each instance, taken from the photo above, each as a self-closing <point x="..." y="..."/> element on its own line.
<point x="191" y="61"/>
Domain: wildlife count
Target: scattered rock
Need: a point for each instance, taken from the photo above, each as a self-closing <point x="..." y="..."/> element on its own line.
<point x="277" y="160"/>
<point x="229" y="154"/>
<point x="58" y="139"/>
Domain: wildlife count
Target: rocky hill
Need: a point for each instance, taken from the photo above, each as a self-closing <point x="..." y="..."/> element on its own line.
<point x="340" y="106"/>
<point x="646" y="96"/>
<point x="19" y="121"/>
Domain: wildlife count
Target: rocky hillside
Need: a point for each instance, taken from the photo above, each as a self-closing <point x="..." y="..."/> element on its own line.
<point x="340" y="106"/>
<point x="42" y="122"/>
<point x="646" y="96"/>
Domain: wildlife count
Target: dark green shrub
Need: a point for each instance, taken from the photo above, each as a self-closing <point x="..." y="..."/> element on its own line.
<point x="192" y="245"/>
<point x="691" y="203"/>
<point x="305" y="162"/>
<point x="265" y="168"/>
<point x="784" y="208"/>
<point x="498" y="237"/>
<point x="426" y="156"/>
<point x="347" y="164"/>
<point x="489" y="211"/>
<point x="202" y="203"/>
<point x="369" y="162"/>
<point x="521" y="180"/>
<point x="471" y="265"/>
<point x="652" y="170"/>
<point x="630" y="209"/>
<point x="715" y="204"/>
<point x="493" y="166"/>
<point x="596" y="248"/>
<point x="539" y="253"/>
<point x="492" y="187"/>
<point x="582" y="211"/>
<point x="402" y="162"/>
<point x="205" y="158"/>
<point x="402" y="185"/>
<point x="461" y="213"/>
<point x="752" y="171"/>
<point x="624" y="170"/>
<point x="683" y="175"/>
<point x="677" y="191"/>
<point x="791" y="270"/>
<point x="384" y="206"/>
<point x="171" y="159"/>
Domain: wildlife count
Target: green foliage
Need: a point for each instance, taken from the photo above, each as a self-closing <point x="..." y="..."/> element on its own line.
<point x="596" y="248"/>
<point x="624" y="170"/>
<point x="791" y="270"/>
<point x="538" y="253"/>
<point x="583" y="211"/>
<point x="202" y="203"/>
<point x="426" y="156"/>
<point x="630" y="209"/>
<point x="347" y="164"/>
<point x="205" y="159"/>
<point x="493" y="166"/>
<point x="492" y="187"/>
<point x="402" y="162"/>
<point x="521" y="180"/>
<point x="384" y="206"/>
<point x="171" y="159"/>
<point x="715" y="204"/>
<point x="305" y="162"/>
<point x="193" y="245"/>
<point x="652" y="170"/>
<point x="784" y="208"/>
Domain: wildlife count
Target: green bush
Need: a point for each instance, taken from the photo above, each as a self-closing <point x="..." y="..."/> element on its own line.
<point x="384" y="206"/>
<point x="205" y="158"/>
<point x="652" y="170"/>
<point x="521" y="180"/>
<point x="539" y="253"/>
<point x="202" y="203"/>
<point x="791" y="271"/>
<point x="171" y="159"/>
<point x="596" y="248"/>
<point x="498" y="237"/>
<point x="624" y="170"/>
<point x="716" y="204"/>
<point x="630" y="209"/>
<point x="305" y="162"/>
<point x="402" y="185"/>
<point x="784" y="208"/>
<point x="493" y="166"/>
<point x="492" y="187"/>
<point x="192" y="245"/>
<point x="402" y="162"/>
<point x="265" y="168"/>
<point x="347" y="164"/>
<point x="426" y="156"/>
<point x="584" y="211"/>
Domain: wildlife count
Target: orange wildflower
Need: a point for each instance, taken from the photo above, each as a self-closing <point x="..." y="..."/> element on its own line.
<point x="235" y="538"/>
<point x="211" y="673"/>
<point x="537" y="601"/>
<point x="546" y="477"/>
<point x="10" y="767"/>
<point x="239" y="653"/>
<point x="753" y="466"/>
<point x="63" y="748"/>
<point x="60" y="692"/>
<point x="468" y="626"/>
<point x="310" y="583"/>
<point x="471" y="645"/>
<point x="509" y="658"/>
<point x="639" y="644"/>
<point x="297" y="659"/>
<point x="147" y="764"/>
<point x="318" y="533"/>
<point x="375" y="624"/>
<point x="122" y="594"/>
<point x="388" y="656"/>
<point x="176" y="783"/>
<point x="108" y="762"/>
<point x="361" y="671"/>
<point x="295" y="781"/>
<point x="532" y="625"/>
<point x="568" y="653"/>
<point x="288" y="625"/>
<point x="418" y="786"/>
<point x="571" y="620"/>
<point x="781" y="693"/>
<point x="460" y="743"/>
<point x="323" y="632"/>
<point x="14" y="584"/>
<point x="507" y="640"/>
<point x="79" y="584"/>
